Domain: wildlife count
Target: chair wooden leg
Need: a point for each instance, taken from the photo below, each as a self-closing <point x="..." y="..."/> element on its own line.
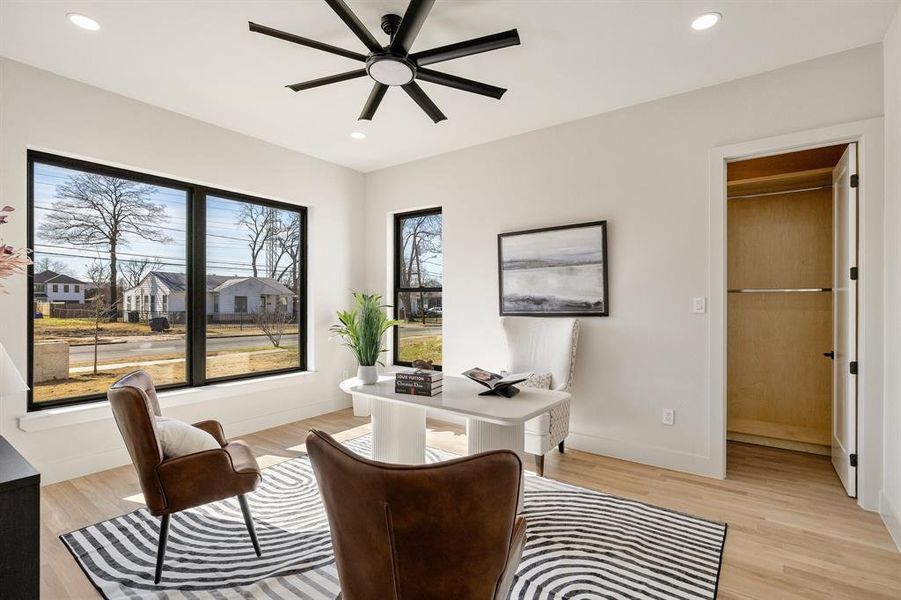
<point x="539" y="464"/>
<point x="562" y="446"/>
<point x="161" y="548"/>
<point x="248" y="520"/>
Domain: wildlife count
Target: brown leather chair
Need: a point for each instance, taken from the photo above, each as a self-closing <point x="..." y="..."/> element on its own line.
<point x="175" y="484"/>
<point x="439" y="531"/>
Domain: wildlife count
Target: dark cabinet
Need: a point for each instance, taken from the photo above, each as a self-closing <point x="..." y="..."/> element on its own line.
<point x="20" y="536"/>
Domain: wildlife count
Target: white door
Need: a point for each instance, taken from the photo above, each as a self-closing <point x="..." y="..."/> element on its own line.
<point x="844" y="328"/>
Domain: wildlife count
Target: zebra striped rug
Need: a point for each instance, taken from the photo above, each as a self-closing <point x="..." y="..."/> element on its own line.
<point x="580" y="544"/>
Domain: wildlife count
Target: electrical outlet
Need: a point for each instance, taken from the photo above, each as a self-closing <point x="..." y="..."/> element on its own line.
<point x="699" y="305"/>
<point x="669" y="416"/>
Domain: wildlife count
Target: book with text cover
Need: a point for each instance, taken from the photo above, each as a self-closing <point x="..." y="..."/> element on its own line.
<point x="421" y="382"/>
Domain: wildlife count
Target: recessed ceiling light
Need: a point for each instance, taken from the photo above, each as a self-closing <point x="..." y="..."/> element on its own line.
<point x="706" y="21"/>
<point x="84" y="22"/>
<point x="358" y="135"/>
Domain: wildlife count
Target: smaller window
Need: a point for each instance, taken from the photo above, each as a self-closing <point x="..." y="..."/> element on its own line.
<point x="55" y="287"/>
<point x="418" y="262"/>
<point x="77" y="288"/>
<point x="165" y="301"/>
<point x="127" y="302"/>
<point x="240" y="304"/>
<point x="65" y="288"/>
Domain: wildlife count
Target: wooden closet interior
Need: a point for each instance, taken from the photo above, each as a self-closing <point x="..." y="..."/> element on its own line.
<point x="779" y="299"/>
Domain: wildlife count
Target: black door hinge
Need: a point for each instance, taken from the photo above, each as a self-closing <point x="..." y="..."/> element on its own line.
<point x="853" y="273"/>
<point x="854" y="181"/>
<point x="853" y="367"/>
<point x="854" y="460"/>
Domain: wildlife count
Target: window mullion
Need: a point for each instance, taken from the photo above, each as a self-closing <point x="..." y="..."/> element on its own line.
<point x="197" y="290"/>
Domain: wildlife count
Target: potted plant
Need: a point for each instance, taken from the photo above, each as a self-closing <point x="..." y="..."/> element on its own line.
<point x="362" y="329"/>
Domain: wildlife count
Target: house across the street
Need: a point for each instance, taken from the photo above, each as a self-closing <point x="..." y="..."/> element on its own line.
<point x="162" y="294"/>
<point x="50" y="286"/>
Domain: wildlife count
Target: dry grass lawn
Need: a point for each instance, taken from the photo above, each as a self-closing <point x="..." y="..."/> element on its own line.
<point x="421" y="347"/>
<point x="223" y="364"/>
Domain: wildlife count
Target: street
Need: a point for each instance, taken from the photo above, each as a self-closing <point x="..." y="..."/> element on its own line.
<point x="146" y="350"/>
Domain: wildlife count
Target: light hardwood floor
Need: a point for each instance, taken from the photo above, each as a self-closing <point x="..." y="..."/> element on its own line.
<point x="792" y="531"/>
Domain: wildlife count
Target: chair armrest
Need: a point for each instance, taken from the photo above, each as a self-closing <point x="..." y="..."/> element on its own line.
<point x="214" y="428"/>
<point x="207" y="476"/>
<point x="514" y="555"/>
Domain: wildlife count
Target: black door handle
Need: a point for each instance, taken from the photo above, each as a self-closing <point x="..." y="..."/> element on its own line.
<point x="829" y="355"/>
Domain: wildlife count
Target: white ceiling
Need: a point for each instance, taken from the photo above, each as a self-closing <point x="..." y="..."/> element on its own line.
<point x="577" y="58"/>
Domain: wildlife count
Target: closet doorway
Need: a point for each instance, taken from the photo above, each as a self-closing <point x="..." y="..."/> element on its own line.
<point x="791" y="310"/>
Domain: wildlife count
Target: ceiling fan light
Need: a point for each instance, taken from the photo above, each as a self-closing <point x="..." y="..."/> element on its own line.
<point x="389" y="71"/>
<point x="358" y="135"/>
<point x="706" y="21"/>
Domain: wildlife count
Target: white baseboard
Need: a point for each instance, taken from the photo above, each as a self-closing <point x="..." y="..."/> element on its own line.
<point x="641" y="453"/>
<point x="891" y="517"/>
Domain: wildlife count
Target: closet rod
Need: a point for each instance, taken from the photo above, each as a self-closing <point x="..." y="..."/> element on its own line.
<point x="810" y="189"/>
<point x="776" y="290"/>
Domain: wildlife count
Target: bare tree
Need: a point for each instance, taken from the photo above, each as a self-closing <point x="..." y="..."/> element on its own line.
<point x="133" y="270"/>
<point x="102" y="213"/>
<point x="420" y="245"/>
<point x="273" y="323"/>
<point x="289" y="240"/>
<point x="99" y="304"/>
<point x="256" y="220"/>
<point x="45" y="263"/>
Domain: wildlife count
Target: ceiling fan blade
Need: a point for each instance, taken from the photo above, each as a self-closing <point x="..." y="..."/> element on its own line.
<point x="409" y="28"/>
<point x="290" y="37"/>
<point x="351" y="20"/>
<point x="372" y="103"/>
<point x="467" y="48"/>
<point x="425" y="103"/>
<point x="460" y="83"/>
<point x="327" y="80"/>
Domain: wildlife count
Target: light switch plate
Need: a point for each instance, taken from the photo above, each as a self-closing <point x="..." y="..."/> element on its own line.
<point x="699" y="305"/>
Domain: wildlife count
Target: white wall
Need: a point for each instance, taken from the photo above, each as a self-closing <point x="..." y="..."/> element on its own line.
<point x="890" y="501"/>
<point x="44" y="111"/>
<point x="645" y="170"/>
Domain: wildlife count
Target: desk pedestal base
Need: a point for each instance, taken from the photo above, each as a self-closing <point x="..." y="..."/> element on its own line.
<point x="398" y="432"/>
<point x="482" y="436"/>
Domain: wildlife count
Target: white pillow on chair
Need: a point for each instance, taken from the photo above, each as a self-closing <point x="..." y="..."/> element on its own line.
<point x="541" y="381"/>
<point x="177" y="438"/>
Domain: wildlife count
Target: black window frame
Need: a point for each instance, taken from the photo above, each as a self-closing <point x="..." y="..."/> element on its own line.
<point x="195" y="271"/>
<point x="398" y="289"/>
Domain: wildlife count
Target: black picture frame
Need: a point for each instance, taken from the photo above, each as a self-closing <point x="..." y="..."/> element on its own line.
<point x="605" y="309"/>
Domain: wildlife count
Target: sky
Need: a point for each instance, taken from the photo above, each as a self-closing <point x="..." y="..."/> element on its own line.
<point x="227" y="249"/>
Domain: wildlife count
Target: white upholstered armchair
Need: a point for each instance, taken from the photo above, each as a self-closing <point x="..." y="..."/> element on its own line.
<point x="545" y="346"/>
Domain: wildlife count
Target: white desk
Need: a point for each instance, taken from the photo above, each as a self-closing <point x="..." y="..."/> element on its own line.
<point x="492" y="422"/>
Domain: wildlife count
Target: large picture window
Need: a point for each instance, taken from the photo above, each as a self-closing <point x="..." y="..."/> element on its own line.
<point x="130" y="272"/>
<point x="418" y="270"/>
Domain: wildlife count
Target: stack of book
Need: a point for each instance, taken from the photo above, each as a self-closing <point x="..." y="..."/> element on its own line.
<point x="418" y="382"/>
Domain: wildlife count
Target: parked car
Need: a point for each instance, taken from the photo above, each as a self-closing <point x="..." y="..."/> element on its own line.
<point x="435" y="311"/>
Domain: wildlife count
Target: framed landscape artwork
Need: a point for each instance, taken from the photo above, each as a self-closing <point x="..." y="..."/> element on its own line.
<point x="554" y="271"/>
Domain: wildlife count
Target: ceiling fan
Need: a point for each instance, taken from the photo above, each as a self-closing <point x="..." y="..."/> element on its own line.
<point x="394" y="64"/>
